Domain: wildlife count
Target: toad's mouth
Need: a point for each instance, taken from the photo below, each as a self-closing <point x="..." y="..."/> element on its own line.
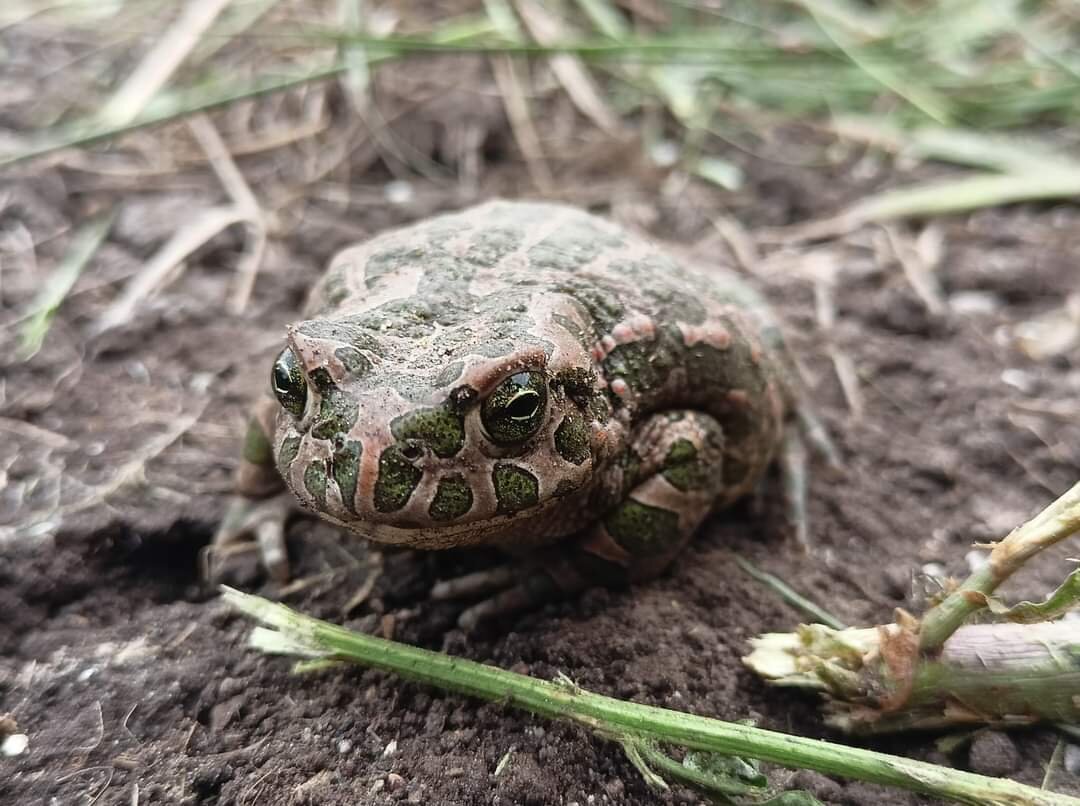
<point x="375" y="479"/>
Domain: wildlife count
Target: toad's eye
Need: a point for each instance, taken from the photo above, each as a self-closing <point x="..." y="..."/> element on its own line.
<point x="515" y="410"/>
<point x="287" y="381"/>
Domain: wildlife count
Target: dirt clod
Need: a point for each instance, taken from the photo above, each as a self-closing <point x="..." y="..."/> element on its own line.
<point x="994" y="753"/>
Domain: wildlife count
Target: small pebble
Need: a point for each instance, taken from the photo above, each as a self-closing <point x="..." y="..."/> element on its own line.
<point x="399" y="192"/>
<point x="974" y="303"/>
<point x="993" y="753"/>
<point x="818" y="785"/>
<point x="664" y="153"/>
<point x="394" y="782"/>
<point x="15" y="744"/>
<point x="1072" y="759"/>
<point x="615" y="789"/>
<point x="898" y="582"/>
<point x="344" y="746"/>
<point x="1019" y="379"/>
<point x="935" y="570"/>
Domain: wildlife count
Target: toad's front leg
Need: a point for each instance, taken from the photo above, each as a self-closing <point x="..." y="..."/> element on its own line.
<point x="653" y="501"/>
<point x="260" y="506"/>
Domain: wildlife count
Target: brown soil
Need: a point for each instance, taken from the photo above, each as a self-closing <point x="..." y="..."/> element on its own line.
<point x="133" y="682"/>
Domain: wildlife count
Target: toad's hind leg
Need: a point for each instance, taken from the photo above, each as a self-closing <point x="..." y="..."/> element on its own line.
<point x="662" y="491"/>
<point x="672" y="480"/>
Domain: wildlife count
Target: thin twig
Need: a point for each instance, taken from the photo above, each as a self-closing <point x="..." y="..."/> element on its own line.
<point x="739" y="241"/>
<point x="843" y="365"/>
<point x="84" y="245"/>
<point x="160" y="63"/>
<point x="571" y="73"/>
<point x="242" y="196"/>
<point x="186" y="240"/>
<point x="919" y="273"/>
<point x="517" y="113"/>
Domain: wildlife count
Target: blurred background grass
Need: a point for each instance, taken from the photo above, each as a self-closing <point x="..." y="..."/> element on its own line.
<point x="591" y="97"/>
<point x="715" y="66"/>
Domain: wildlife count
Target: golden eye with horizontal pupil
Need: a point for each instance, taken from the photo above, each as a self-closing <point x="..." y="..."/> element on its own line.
<point x="515" y="410"/>
<point x="287" y="381"/>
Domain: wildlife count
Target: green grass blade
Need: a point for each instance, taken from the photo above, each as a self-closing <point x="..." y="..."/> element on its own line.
<point x="84" y="244"/>
<point x="605" y="18"/>
<point x="789" y="595"/>
<point x="964" y="194"/>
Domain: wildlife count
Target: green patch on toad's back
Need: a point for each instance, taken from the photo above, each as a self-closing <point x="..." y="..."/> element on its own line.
<point x="646" y="365"/>
<point x="574" y="243"/>
<point x="495" y="243"/>
<point x="334" y="288"/>
<point x="390" y="259"/>
<point x="605" y="310"/>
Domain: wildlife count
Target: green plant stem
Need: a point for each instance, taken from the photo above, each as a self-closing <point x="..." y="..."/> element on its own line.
<point x="623" y="721"/>
<point x="1055" y="523"/>
<point x="655" y="759"/>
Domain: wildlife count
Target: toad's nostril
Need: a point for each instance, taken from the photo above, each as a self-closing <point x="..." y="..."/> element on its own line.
<point x="412" y="450"/>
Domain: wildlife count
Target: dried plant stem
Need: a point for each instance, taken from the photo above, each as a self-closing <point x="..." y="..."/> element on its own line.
<point x="997" y="674"/>
<point x="161" y="62"/>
